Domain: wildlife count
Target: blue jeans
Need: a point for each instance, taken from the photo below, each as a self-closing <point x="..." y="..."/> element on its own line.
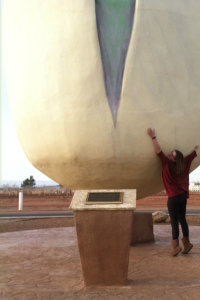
<point x="177" y="210"/>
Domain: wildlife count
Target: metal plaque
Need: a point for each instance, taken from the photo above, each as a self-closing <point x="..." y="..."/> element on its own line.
<point x="104" y="198"/>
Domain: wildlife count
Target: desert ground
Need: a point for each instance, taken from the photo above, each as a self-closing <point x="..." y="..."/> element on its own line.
<point x="58" y="199"/>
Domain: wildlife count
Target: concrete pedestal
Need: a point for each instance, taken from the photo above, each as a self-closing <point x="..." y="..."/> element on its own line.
<point x="104" y="236"/>
<point x="142" y="228"/>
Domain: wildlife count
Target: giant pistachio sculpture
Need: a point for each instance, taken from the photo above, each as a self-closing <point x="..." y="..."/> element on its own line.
<point x="86" y="78"/>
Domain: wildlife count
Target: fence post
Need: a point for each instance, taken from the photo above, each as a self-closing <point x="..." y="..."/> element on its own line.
<point x="20" y="206"/>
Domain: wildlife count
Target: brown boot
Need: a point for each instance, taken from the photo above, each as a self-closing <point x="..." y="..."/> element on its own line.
<point x="187" y="245"/>
<point x="175" y="247"/>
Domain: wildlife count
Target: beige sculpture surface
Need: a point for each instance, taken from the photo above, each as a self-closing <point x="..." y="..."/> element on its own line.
<point x="55" y="81"/>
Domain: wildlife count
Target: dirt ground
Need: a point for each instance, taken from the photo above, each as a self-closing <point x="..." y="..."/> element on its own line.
<point x="35" y="203"/>
<point x="59" y="202"/>
<point x="160" y="201"/>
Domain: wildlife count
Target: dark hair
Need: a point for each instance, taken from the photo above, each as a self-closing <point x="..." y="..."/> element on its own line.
<point x="179" y="163"/>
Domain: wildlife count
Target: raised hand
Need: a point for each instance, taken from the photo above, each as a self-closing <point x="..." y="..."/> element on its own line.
<point x="151" y="132"/>
<point x="196" y="148"/>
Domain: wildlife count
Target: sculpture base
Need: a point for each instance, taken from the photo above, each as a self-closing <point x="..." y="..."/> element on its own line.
<point x="142" y="228"/>
<point x="104" y="241"/>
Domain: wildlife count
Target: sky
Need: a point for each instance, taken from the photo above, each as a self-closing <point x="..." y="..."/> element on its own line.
<point x="14" y="165"/>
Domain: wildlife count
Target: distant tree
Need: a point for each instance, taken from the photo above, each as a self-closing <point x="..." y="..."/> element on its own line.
<point x="28" y="182"/>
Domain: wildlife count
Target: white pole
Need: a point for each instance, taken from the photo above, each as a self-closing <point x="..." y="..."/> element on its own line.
<point x="20" y="207"/>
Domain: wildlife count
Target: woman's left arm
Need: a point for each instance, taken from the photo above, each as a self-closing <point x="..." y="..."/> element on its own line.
<point x="151" y="132"/>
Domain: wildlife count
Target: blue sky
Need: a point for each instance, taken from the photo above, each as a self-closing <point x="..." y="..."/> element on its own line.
<point x="14" y="164"/>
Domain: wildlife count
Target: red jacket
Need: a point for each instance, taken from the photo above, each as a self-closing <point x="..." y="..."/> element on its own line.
<point x="176" y="184"/>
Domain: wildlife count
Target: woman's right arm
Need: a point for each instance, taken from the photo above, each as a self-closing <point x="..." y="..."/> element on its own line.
<point x="193" y="154"/>
<point x="196" y="148"/>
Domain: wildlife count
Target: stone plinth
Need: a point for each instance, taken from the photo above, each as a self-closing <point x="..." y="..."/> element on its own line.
<point x="142" y="228"/>
<point x="103" y="233"/>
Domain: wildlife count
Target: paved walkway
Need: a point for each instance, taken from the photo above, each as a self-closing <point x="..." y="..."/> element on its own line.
<point x="44" y="264"/>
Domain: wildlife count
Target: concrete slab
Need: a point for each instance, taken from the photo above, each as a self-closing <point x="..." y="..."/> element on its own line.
<point x="45" y="264"/>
